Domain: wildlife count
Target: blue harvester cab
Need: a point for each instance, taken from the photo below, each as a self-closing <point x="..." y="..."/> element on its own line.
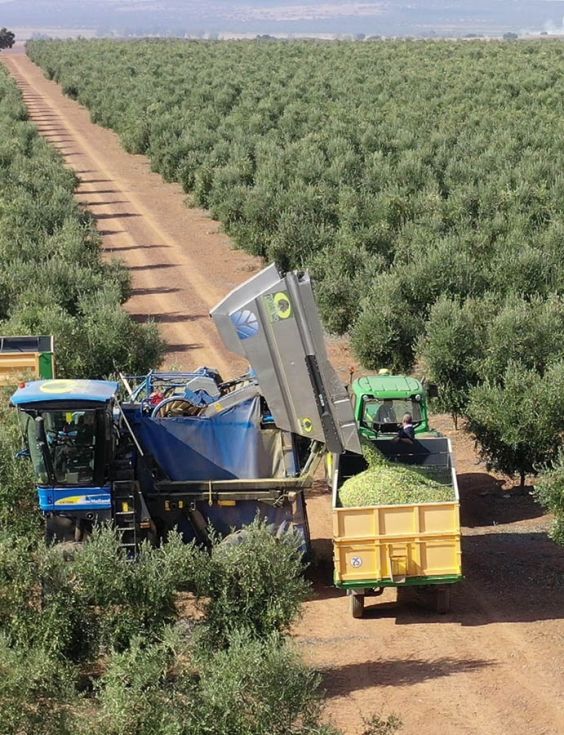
<point x="67" y="425"/>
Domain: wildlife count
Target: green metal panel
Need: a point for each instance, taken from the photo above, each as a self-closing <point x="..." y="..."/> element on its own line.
<point x="387" y="386"/>
<point x="409" y="582"/>
<point x="46" y="365"/>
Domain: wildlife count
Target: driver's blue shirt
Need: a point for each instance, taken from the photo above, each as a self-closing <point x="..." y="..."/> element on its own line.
<point x="407" y="432"/>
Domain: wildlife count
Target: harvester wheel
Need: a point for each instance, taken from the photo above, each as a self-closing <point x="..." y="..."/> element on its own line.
<point x="357" y="605"/>
<point x="58" y="529"/>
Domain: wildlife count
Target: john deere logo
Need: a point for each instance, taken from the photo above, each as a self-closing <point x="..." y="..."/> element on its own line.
<point x="278" y="306"/>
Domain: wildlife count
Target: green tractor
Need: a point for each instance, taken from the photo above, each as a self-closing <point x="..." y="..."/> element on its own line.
<point x="380" y="402"/>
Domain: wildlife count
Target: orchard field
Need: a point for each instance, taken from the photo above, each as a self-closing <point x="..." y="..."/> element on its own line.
<point x="182" y="641"/>
<point x="421" y="182"/>
<point x="401" y="173"/>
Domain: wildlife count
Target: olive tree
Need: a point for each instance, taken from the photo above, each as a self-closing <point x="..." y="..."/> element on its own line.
<point x="549" y="491"/>
<point x="451" y="349"/>
<point x="517" y="421"/>
<point x="7" y="38"/>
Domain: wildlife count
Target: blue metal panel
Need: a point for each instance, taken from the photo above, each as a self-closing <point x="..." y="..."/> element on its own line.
<point x="49" y="391"/>
<point x="54" y="499"/>
<point x="221" y="447"/>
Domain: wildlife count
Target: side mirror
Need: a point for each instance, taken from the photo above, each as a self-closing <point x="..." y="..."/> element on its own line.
<point x="22" y="454"/>
<point x="432" y="390"/>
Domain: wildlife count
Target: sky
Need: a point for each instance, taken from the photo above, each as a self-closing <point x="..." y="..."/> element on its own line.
<point x="370" y="17"/>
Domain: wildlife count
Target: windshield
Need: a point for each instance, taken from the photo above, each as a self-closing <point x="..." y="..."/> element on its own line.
<point x="71" y="446"/>
<point x="389" y="410"/>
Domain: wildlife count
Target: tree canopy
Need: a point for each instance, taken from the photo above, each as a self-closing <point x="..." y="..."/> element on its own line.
<point x="420" y="182"/>
<point x="7" y="38"/>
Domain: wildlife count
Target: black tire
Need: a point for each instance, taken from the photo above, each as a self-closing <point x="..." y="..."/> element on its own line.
<point x="236" y="538"/>
<point x="357" y="606"/>
<point x="442" y="600"/>
<point x="59" y="529"/>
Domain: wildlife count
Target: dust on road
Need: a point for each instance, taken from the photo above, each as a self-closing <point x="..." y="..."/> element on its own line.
<point x="495" y="664"/>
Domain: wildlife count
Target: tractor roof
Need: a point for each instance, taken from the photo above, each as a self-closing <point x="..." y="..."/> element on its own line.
<point x="52" y="391"/>
<point x="387" y="386"/>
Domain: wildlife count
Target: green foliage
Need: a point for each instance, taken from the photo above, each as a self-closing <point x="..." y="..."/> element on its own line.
<point x="251" y="688"/>
<point x="529" y="332"/>
<point x="425" y="196"/>
<point x="549" y="491"/>
<point x="469" y="342"/>
<point x="35" y="691"/>
<point x="453" y="346"/>
<point x="252" y="581"/>
<point x="100" y="600"/>
<point x="258" y="688"/>
<point x="18" y="498"/>
<point x="399" y="184"/>
<point x="99" y="623"/>
<point x="139" y="693"/>
<point x="377" y="725"/>
<point x="518" y="420"/>
<point x="52" y="277"/>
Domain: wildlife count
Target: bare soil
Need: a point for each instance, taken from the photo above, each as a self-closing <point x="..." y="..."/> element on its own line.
<point x="495" y="664"/>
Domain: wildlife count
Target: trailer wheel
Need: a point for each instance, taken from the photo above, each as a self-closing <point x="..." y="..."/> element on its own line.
<point x="442" y="600"/>
<point x="357" y="605"/>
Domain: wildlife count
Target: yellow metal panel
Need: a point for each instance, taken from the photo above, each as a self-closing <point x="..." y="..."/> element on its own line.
<point x="397" y="542"/>
<point x="441" y="556"/>
<point x="438" y="519"/>
<point x="360" y="561"/>
<point x="358" y="523"/>
<point x="399" y="519"/>
<point x="16" y="365"/>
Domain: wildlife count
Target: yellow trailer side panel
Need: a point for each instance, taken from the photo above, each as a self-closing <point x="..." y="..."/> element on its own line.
<point x="14" y="365"/>
<point x="396" y="542"/>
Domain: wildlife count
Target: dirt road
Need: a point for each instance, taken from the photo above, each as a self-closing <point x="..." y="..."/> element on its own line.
<point x="495" y="665"/>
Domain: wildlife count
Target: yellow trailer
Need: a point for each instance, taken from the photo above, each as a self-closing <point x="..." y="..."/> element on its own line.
<point x="23" y="357"/>
<point x="398" y="545"/>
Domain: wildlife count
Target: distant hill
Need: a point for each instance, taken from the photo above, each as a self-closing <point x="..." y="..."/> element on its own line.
<point x="369" y="17"/>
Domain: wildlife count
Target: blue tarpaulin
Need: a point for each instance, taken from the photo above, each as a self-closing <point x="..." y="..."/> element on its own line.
<point x="226" y="446"/>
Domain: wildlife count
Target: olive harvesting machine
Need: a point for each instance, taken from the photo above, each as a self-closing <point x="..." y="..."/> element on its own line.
<point x="193" y="452"/>
<point x="189" y="450"/>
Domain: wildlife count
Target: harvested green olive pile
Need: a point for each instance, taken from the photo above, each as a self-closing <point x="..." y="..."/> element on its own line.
<point x="391" y="485"/>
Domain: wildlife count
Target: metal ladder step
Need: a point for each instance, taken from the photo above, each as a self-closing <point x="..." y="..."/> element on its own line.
<point x="126" y="517"/>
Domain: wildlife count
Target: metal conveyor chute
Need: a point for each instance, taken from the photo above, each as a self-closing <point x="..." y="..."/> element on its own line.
<point x="272" y="321"/>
